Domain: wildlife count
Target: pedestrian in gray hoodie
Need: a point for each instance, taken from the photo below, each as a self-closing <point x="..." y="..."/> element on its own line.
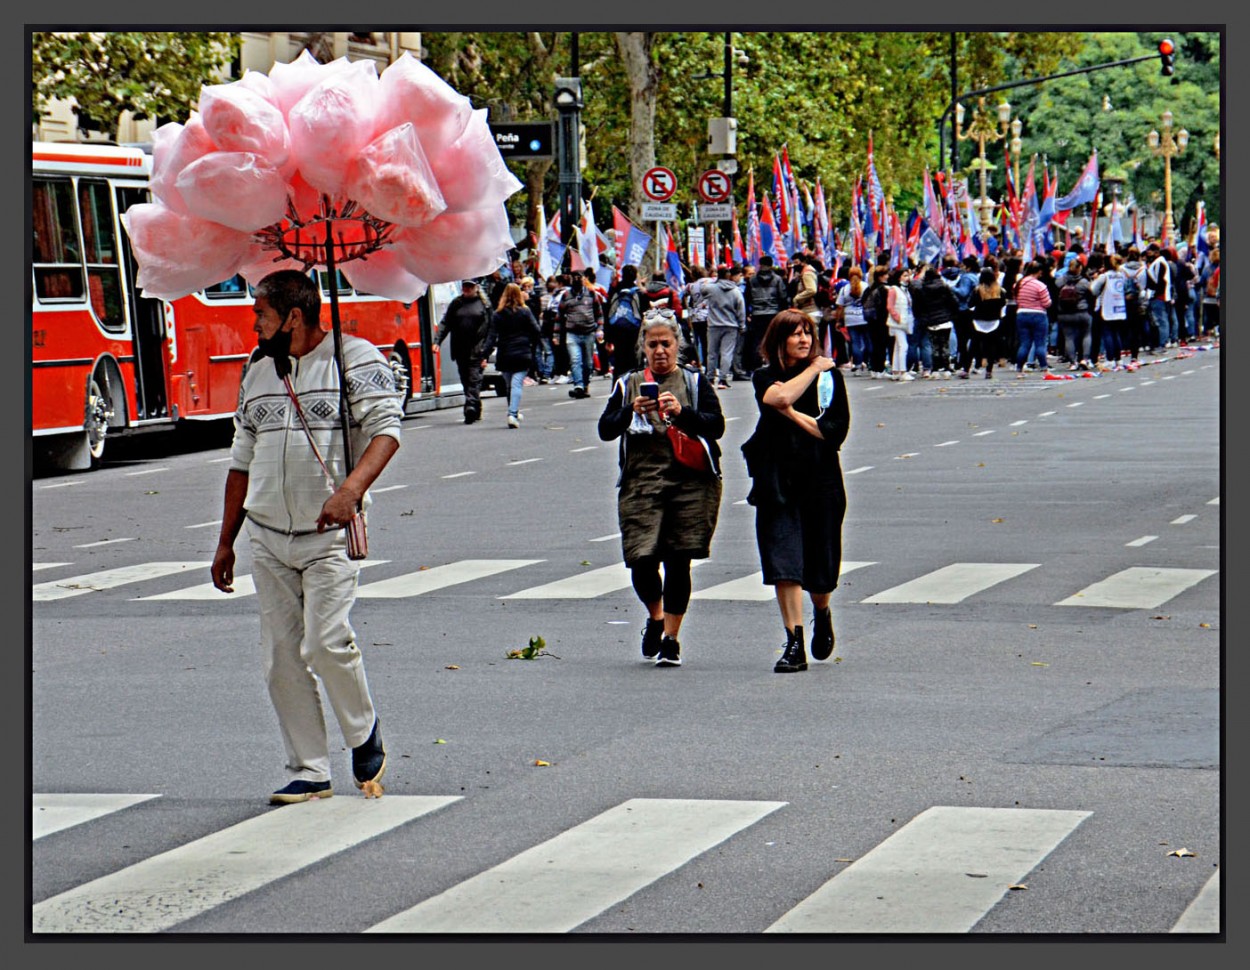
<point x="726" y="316"/>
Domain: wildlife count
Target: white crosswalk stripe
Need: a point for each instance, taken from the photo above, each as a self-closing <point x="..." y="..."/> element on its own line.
<point x="573" y="877"/>
<point x="439" y="577"/>
<point x="54" y="812"/>
<point x="165" y="890"/>
<point x="953" y="583"/>
<point x="109" y="579"/>
<point x="243" y="586"/>
<point x="1203" y="914"/>
<point x="752" y="588"/>
<point x="940" y="873"/>
<point x="1138" y="588"/>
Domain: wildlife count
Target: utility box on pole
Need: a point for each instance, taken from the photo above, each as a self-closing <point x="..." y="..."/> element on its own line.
<point x="722" y="136"/>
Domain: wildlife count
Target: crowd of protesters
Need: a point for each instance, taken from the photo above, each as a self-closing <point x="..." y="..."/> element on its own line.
<point x="1066" y="310"/>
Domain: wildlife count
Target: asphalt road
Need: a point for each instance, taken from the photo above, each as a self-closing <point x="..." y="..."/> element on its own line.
<point x="990" y="752"/>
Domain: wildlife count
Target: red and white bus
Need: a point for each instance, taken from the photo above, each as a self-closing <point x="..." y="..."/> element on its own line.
<point x="106" y="361"/>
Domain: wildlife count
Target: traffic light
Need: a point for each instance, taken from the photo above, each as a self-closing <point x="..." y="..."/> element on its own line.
<point x="1166" y="50"/>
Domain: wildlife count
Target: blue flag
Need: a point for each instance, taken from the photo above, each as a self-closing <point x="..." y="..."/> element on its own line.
<point x="1086" y="188"/>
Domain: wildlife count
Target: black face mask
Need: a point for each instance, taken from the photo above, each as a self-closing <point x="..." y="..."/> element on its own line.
<point x="279" y="348"/>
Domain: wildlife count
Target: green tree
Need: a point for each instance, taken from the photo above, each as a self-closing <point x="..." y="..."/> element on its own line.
<point x="153" y="75"/>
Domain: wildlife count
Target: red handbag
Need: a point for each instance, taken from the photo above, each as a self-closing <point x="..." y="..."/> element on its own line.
<point x="687" y="449"/>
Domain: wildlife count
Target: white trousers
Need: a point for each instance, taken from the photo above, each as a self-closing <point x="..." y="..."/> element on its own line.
<point x="899" y="362"/>
<point x="306" y="586"/>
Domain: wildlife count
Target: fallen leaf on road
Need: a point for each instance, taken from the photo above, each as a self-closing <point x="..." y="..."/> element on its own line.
<point x="1182" y="853"/>
<point x="372" y="789"/>
<point x="1018" y="886"/>
<point x="452" y="667"/>
<point x="976" y="875"/>
<point x="1032" y="626"/>
<point x="1161" y="617"/>
<point x="439" y="741"/>
<point x="996" y="521"/>
<point x="539" y="763"/>
<point x="1205" y="626"/>
<point x="1038" y="663"/>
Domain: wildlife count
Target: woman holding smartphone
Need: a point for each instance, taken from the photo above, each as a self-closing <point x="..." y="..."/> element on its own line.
<point x="667" y="509"/>
<point x="797" y="489"/>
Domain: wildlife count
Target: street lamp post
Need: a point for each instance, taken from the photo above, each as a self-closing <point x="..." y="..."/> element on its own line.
<point x="981" y="130"/>
<point x="1167" y="146"/>
<point x="1014" y="125"/>
<point x="568" y="99"/>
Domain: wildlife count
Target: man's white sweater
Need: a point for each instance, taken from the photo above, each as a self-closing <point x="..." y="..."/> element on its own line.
<point x="286" y="487"/>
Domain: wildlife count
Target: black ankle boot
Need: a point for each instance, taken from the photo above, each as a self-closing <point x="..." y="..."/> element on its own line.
<point x="795" y="657"/>
<point x="822" y="634"/>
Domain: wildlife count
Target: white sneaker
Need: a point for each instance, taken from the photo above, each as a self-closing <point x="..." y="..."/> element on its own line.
<point x="513" y="422"/>
<point x="907" y="376"/>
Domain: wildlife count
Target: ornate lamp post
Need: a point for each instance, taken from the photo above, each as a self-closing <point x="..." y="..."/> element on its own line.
<point x="1167" y="146"/>
<point x="1006" y="123"/>
<point x="981" y="130"/>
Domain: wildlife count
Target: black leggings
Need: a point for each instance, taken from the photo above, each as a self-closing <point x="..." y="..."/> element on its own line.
<point x="675" y="589"/>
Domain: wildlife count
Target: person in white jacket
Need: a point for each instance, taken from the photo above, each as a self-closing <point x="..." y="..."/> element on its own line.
<point x="305" y="583"/>
<point x="901" y="321"/>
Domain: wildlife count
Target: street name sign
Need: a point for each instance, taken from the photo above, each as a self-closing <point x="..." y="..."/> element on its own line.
<point x="529" y="139"/>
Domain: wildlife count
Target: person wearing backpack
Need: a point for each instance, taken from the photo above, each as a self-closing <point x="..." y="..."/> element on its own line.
<point x="726" y="316"/>
<point x="1162" y="309"/>
<point x="1136" y="299"/>
<point x="695" y="300"/>
<point x="1109" y="289"/>
<point x="1075" y="320"/>
<point x="580" y="316"/>
<point x="626" y="305"/>
<point x="1211" y="296"/>
<point x="766" y="297"/>
<point x="850" y="300"/>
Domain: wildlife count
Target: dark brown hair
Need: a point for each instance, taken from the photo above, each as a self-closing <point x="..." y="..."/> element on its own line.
<point x="773" y="346"/>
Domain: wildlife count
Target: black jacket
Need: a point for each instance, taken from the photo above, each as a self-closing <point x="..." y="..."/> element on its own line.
<point x="766" y="294"/>
<point x="514" y="332"/>
<point x="933" y="302"/>
<point x="467" y="319"/>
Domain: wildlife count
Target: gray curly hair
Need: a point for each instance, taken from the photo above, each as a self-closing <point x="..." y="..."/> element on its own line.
<point x="656" y="317"/>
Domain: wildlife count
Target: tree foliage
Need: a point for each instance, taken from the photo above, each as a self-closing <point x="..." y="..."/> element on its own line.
<point x="153" y="75"/>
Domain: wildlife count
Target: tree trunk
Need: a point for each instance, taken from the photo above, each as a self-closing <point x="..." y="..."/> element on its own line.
<point x="636" y="54"/>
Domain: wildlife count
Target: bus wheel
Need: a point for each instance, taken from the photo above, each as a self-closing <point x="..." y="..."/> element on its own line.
<point x="398" y="358"/>
<point x="99" y="414"/>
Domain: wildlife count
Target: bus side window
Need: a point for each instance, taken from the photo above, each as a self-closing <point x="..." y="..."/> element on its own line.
<point x="57" y="263"/>
<point x="232" y="288"/>
<point x="99" y="233"/>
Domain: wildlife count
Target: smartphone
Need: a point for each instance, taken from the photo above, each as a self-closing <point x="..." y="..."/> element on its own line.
<point x="649" y="389"/>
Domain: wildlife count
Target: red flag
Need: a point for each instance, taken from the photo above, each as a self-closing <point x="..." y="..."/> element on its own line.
<point x="780" y="193"/>
<point x="621" y="225"/>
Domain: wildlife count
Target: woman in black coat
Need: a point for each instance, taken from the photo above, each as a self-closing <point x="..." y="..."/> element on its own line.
<point x="797" y="488"/>
<point x="934" y="305"/>
<point x="512" y="334"/>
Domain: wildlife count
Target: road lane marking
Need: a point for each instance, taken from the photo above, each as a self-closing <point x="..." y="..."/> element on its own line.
<point x="607" y="538"/>
<point x="752" y="588"/>
<point x="580" y="586"/>
<point x="571" y="878"/>
<point x="1138" y="588"/>
<point x="243" y="586"/>
<point x="106" y="542"/>
<point x="203" y="525"/>
<point x="1016" y="424"/>
<point x="148" y="471"/>
<point x="1129" y="388"/>
<point x="62" y="484"/>
<point x="940" y="873"/>
<point x="574" y="451"/>
<point x="1046" y="414"/>
<point x="54" y="812"/>
<point x="1214" y="501"/>
<point x="387" y="488"/>
<point x="108" y="579"/>
<point x="860" y="470"/>
<point x="1203" y="914"/>
<point x="1076" y="404"/>
<point x="1182" y="519"/>
<point x="980" y="434"/>
<point x="1099" y="397"/>
<point x="48" y="565"/>
<point x="459" y="474"/>
<point x="167" y="889"/>
<point x="907" y="454"/>
<point x="1144" y="540"/>
<point x="439" y="577"/>
<point x="953" y="583"/>
<point x="218" y="461"/>
<point x="946" y="444"/>
<point x="522" y="461"/>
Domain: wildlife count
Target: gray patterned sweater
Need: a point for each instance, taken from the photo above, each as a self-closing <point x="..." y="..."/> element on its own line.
<point x="286" y="486"/>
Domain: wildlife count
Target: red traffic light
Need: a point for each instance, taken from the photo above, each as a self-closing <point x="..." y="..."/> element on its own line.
<point x="1166" y="47"/>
